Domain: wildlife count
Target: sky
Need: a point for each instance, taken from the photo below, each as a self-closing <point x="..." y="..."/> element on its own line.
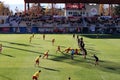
<point x="20" y="4"/>
<point x="14" y="3"/>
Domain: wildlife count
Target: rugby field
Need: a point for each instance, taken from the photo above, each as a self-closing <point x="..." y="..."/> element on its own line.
<point x="18" y="55"/>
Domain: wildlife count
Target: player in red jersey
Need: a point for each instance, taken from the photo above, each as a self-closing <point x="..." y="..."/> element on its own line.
<point x="45" y="54"/>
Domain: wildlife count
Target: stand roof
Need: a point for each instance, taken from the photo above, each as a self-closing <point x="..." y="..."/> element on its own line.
<point x="74" y="1"/>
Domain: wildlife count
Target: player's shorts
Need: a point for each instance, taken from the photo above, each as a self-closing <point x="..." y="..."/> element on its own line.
<point x="96" y="60"/>
<point x="34" y="77"/>
<point x="37" y="61"/>
<point x="46" y="54"/>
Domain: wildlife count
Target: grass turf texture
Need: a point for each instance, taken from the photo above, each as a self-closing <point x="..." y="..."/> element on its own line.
<point x="17" y="58"/>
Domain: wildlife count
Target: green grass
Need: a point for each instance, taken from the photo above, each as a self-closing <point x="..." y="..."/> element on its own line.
<point x="17" y="58"/>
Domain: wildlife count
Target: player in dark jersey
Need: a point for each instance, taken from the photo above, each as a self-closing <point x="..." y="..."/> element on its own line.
<point x="53" y="41"/>
<point x="96" y="59"/>
<point x="58" y="49"/>
<point x="84" y="52"/>
<point x="73" y="35"/>
<point x="43" y="36"/>
<point x="0" y="48"/>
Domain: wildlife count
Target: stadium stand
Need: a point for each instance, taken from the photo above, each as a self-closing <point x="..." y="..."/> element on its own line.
<point x="25" y="23"/>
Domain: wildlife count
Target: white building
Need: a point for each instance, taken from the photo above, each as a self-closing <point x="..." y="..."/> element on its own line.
<point x="72" y="9"/>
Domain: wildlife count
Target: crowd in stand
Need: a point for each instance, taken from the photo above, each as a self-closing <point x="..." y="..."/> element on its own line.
<point x="94" y="24"/>
<point x="41" y="20"/>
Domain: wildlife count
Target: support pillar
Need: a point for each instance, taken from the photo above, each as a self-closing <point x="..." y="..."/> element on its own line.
<point x="38" y="8"/>
<point x="65" y="9"/>
<point x="28" y="6"/>
<point x="109" y="10"/>
<point x="39" y="4"/>
<point x="52" y="8"/>
<point x="25" y="7"/>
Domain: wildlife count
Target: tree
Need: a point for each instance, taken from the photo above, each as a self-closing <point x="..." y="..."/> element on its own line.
<point x="117" y="10"/>
<point x="36" y="9"/>
<point x="4" y="9"/>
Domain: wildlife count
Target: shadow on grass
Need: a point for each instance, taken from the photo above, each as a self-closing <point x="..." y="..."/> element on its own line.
<point x="6" y="78"/>
<point x="21" y="44"/>
<point x="110" y="67"/>
<point x="61" y="58"/>
<point x="26" y="50"/>
<point x="106" y="66"/>
<point x="48" y="68"/>
<point x="92" y="51"/>
<point x="7" y="55"/>
<point x="102" y="36"/>
<point x="23" y="49"/>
